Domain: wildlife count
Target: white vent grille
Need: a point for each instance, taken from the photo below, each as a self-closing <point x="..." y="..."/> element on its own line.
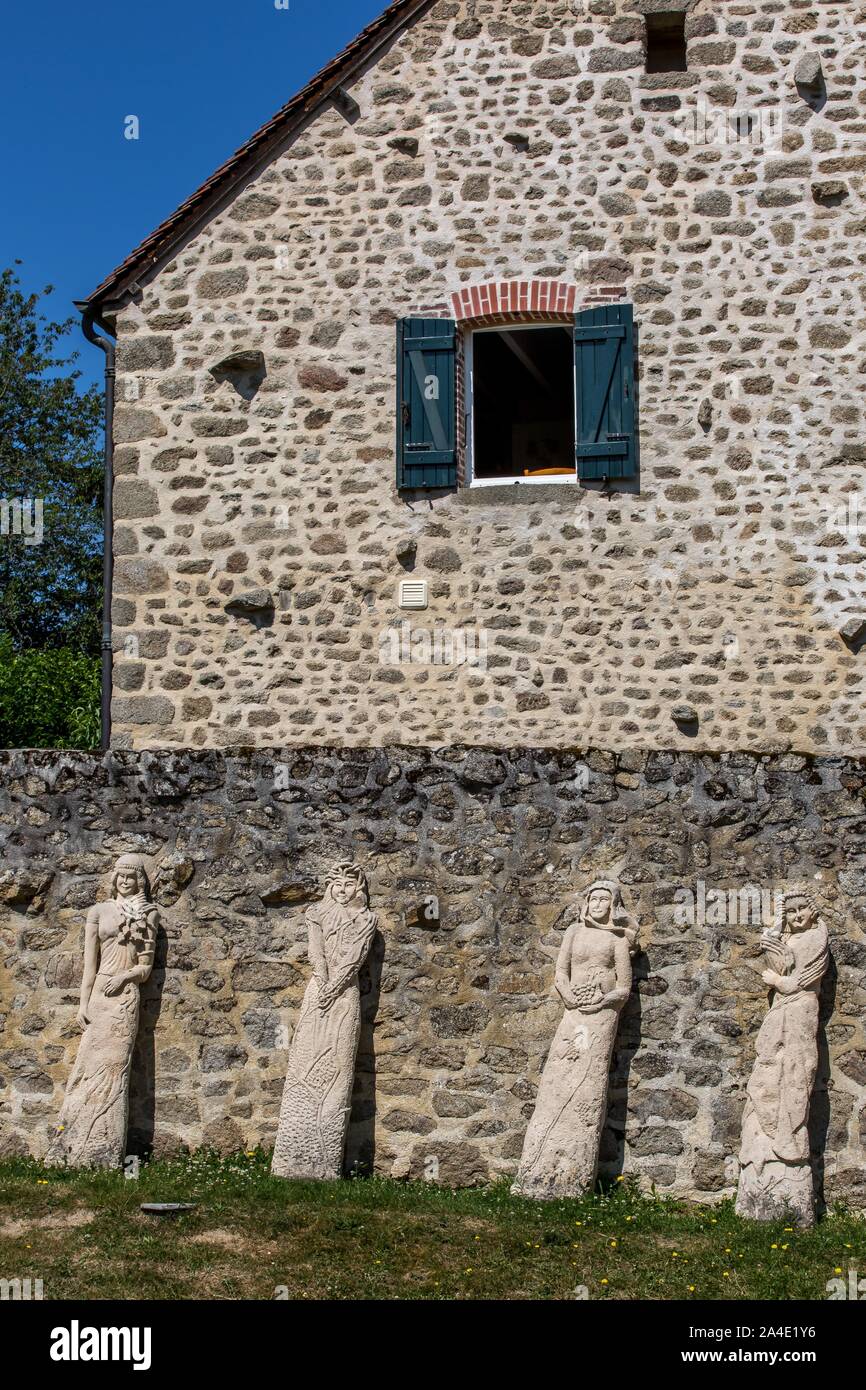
<point x="413" y="593"/>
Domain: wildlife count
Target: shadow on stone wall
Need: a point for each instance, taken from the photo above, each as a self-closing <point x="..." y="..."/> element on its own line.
<point x="360" y="1156"/>
<point x="819" y="1111"/>
<point x="611" y="1160"/>
<point x="142" y="1081"/>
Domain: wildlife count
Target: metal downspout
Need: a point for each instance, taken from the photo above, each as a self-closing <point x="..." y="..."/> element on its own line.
<point x="89" y="316"/>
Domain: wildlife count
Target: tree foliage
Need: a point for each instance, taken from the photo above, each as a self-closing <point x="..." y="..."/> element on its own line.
<point x="48" y="699"/>
<point x="50" y="429"/>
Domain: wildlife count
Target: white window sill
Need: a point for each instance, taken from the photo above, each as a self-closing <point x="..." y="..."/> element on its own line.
<point x="556" y="480"/>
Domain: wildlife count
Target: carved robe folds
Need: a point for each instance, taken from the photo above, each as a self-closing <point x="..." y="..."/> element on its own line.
<point x="775" y="1171"/>
<point x="317" y="1096"/>
<point x="120" y="939"/>
<point x="593" y="979"/>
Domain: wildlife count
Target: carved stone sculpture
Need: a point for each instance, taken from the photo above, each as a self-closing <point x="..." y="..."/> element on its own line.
<point x="775" y="1171"/>
<point x="317" y="1096"/>
<point x="593" y="979"/>
<point x="119" y="945"/>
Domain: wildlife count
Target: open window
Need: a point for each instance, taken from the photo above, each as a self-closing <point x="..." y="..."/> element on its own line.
<point x="542" y="402"/>
<point x="522" y="388"/>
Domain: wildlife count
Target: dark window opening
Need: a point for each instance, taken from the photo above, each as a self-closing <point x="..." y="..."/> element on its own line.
<point x="523" y="402"/>
<point x="666" y="43"/>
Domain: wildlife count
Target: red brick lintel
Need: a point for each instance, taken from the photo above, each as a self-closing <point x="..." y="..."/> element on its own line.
<point x="494" y="298"/>
<point x="503" y="301"/>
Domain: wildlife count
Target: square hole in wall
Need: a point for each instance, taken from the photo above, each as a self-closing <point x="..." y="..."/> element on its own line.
<point x="666" y="42"/>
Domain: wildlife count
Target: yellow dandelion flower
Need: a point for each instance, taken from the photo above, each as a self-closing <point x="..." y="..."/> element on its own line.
<point x="602" y="1281"/>
<point x="774" y="1246"/>
<point x="725" y="1274"/>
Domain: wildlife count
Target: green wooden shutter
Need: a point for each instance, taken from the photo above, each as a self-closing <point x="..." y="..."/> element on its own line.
<point x="605" y="442"/>
<point x="426" y="403"/>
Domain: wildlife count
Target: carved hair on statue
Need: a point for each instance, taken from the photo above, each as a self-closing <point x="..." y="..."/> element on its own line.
<point x="131" y="861"/>
<point x="800" y="893"/>
<point x="345" y="868"/>
<point x="620" y="921"/>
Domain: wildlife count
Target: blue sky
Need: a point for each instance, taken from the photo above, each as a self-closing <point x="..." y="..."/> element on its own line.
<point x="200" y="75"/>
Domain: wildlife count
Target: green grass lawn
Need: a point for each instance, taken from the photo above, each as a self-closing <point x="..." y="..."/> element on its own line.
<point x="83" y="1234"/>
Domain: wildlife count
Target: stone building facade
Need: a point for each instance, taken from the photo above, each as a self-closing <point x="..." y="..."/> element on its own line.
<point x="617" y="238"/>
<point x="510" y="163"/>
<point x="457" y="1010"/>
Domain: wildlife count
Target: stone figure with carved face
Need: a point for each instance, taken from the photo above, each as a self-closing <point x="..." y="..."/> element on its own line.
<point x="775" y="1170"/>
<point x="593" y="979"/>
<point x="314" y="1116"/>
<point x="119" y="945"/>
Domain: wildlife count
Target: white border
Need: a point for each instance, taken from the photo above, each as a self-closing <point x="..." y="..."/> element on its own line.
<point x="506" y="480"/>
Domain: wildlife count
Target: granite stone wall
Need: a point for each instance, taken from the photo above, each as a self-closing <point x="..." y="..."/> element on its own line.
<point x="458" y="1006"/>
<point x="259" y="537"/>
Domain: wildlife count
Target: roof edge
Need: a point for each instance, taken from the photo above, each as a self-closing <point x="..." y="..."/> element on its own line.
<point x="147" y="255"/>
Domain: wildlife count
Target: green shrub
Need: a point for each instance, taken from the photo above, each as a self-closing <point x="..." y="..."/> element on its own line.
<point x="48" y="699"/>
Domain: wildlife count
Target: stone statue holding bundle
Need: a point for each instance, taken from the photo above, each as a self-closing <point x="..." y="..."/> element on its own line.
<point x="593" y="979"/>
<point x="119" y="945"/>
<point x="314" y="1116"/>
<point x="775" y="1170"/>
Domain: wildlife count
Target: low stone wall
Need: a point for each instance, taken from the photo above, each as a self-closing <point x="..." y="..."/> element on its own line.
<point x="457" y="1016"/>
